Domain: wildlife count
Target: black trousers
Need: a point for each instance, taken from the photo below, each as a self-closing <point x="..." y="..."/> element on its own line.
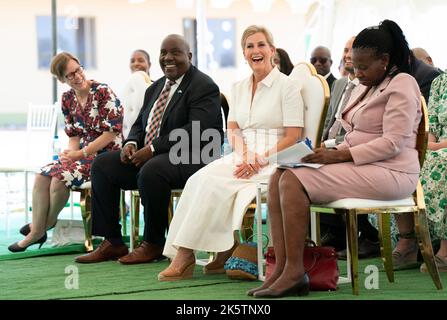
<point x="337" y="226"/>
<point x="154" y="180"/>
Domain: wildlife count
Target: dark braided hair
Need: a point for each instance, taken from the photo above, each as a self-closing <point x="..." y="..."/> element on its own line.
<point x="388" y="38"/>
<point x="285" y="64"/>
<point x="145" y="54"/>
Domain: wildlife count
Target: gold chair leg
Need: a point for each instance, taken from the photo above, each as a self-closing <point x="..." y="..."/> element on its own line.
<point x="424" y="241"/>
<point x="123" y="212"/>
<point x="384" y="223"/>
<point x="318" y="231"/>
<point x="135" y="217"/>
<point x="352" y="231"/>
<point x="86" y="211"/>
<point x="170" y="210"/>
<point x="246" y="232"/>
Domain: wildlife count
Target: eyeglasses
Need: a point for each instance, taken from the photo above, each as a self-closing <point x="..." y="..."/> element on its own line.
<point x="314" y="60"/>
<point x="72" y="75"/>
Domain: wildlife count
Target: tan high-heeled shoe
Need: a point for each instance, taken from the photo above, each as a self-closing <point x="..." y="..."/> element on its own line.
<point x="175" y="274"/>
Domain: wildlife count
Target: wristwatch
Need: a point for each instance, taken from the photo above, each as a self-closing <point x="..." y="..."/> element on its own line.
<point x="152" y="148"/>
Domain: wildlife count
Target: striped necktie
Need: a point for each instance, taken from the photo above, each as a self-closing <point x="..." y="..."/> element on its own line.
<point x="157" y="114"/>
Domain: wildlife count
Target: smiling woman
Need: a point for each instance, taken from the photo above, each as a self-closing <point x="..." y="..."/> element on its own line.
<point x="266" y="116"/>
<point x="93" y="122"/>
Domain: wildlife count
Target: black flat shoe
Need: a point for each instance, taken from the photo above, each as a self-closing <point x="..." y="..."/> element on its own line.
<point x="16" y="248"/>
<point x="25" y="230"/>
<point x="299" y="289"/>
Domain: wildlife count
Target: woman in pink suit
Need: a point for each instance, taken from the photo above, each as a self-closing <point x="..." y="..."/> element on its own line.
<point x="377" y="159"/>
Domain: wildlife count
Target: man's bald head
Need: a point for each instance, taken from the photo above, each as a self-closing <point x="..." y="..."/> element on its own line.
<point x="175" y="56"/>
<point x="421" y="54"/>
<point x="321" y="59"/>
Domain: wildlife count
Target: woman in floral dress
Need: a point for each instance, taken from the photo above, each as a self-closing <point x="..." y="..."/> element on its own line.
<point x="93" y="123"/>
<point x="433" y="174"/>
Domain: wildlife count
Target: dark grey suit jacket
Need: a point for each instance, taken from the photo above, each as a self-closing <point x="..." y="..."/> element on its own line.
<point x="336" y="94"/>
<point x="330" y="80"/>
<point x="424" y="75"/>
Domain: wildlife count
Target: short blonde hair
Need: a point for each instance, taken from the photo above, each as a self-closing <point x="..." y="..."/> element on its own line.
<point x="59" y="64"/>
<point x="251" y="30"/>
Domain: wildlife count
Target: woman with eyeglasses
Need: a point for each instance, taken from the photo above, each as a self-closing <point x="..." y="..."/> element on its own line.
<point x="93" y="122"/>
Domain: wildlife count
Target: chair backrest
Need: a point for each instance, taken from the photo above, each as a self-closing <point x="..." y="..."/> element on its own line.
<point x="41" y="117"/>
<point x="315" y="92"/>
<point x="132" y="97"/>
<point x="40" y="128"/>
<point x="225" y="109"/>
<point x="422" y="136"/>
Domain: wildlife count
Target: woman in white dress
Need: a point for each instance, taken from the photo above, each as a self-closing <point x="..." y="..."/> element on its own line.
<point x="132" y="95"/>
<point x="266" y="116"/>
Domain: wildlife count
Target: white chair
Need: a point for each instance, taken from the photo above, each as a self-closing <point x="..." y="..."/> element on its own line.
<point x="40" y="129"/>
<point x="351" y="207"/>
<point x="315" y="93"/>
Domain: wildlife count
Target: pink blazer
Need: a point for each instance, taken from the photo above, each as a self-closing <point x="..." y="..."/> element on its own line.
<point x="381" y="130"/>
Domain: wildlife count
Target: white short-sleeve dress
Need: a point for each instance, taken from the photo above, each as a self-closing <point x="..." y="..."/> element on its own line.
<point x="213" y="201"/>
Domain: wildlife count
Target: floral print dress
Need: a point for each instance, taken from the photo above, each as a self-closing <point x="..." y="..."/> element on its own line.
<point x="102" y="113"/>
<point x="433" y="174"/>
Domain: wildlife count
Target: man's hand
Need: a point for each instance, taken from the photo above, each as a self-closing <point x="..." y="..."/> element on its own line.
<point x="141" y="156"/>
<point x="327" y="156"/>
<point x="127" y="152"/>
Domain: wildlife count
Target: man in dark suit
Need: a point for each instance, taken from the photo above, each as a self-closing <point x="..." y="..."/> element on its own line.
<point x="424" y="74"/>
<point x="321" y="60"/>
<point x="183" y="103"/>
<point x="333" y="229"/>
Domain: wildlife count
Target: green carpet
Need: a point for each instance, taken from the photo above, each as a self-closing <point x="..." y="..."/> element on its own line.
<point x="45" y="277"/>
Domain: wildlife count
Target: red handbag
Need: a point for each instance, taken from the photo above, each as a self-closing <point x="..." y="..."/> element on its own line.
<point x="320" y="264"/>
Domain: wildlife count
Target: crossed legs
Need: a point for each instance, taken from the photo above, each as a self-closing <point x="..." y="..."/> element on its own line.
<point x="49" y="197"/>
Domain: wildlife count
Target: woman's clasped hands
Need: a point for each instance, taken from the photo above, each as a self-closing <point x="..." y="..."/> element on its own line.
<point x="68" y="156"/>
<point x="250" y="165"/>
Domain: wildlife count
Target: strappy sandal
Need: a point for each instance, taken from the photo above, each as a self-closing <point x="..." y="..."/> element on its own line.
<point x="406" y="259"/>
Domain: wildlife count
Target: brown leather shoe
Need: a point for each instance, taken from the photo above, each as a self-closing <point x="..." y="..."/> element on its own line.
<point x="146" y="252"/>
<point x="105" y="251"/>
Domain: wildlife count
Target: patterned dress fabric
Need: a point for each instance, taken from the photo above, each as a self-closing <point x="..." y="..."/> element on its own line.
<point x="433" y="174"/>
<point x="102" y="113"/>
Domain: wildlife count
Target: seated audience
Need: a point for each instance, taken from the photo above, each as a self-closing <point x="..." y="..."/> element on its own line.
<point x="377" y="159"/>
<point x="132" y="95"/>
<point x="433" y="173"/>
<point x="93" y="122"/>
<point x="282" y="60"/>
<point x="266" y="116"/>
<point x="321" y="60"/>
<point x="185" y="102"/>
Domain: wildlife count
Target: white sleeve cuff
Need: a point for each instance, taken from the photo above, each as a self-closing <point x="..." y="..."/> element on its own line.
<point x="330" y="143"/>
<point x="131" y="142"/>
